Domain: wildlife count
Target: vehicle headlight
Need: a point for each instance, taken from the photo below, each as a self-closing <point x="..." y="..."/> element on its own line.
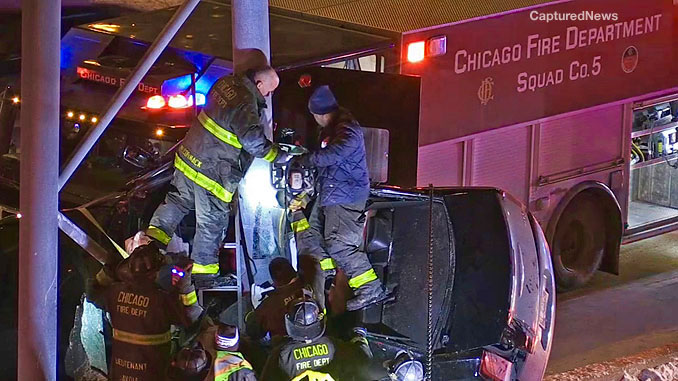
<point x="406" y="368"/>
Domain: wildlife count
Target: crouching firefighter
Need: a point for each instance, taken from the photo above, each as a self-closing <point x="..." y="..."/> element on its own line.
<point x="333" y="232"/>
<point x="311" y="355"/>
<point x="230" y="364"/>
<point x="141" y="315"/>
<point x="306" y="350"/>
<point x="212" y="159"/>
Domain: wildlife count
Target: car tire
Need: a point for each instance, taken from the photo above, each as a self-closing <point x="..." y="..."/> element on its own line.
<point x="579" y="242"/>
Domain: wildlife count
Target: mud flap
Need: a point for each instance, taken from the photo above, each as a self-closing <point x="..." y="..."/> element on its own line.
<point x="86" y="353"/>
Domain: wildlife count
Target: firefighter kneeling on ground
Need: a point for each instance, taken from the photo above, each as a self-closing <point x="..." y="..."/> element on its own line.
<point x="210" y="162"/>
<point x="333" y="232"/>
<point x="309" y="354"/>
<point x="142" y="313"/>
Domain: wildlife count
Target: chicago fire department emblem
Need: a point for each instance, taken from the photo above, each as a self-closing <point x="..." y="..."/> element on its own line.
<point x="485" y="91"/>
<point x="630" y="59"/>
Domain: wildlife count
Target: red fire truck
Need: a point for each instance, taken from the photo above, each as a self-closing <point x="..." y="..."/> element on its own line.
<point x="570" y="106"/>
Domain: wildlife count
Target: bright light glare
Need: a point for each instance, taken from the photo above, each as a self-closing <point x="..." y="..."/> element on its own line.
<point x="257" y="185"/>
<point x="94" y="119"/>
<point x="19" y="215"/>
<point x="200" y="97"/>
<point x="159" y="132"/>
<point x="70" y="114"/>
<point x="15" y="100"/>
<point x="155" y="102"/>
<point x="82" y="117"/>
<point x="178" y="101"/>
<point x="416" y="51"/>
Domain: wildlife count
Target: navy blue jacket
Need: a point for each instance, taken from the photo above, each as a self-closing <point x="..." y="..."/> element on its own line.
<point x="342" y="167"/>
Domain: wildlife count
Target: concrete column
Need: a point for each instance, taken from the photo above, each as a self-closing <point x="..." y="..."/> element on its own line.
<point x="39" y="171"/>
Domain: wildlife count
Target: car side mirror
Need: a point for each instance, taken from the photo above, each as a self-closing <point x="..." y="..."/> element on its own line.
<point x="138" y="157"/>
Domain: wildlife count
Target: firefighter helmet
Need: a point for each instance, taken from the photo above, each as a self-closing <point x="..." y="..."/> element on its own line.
<point x="304" y="321"/>
<point x="227" y="338"/>
<point x="145" y="260"/>
<point x="190" y="364"/>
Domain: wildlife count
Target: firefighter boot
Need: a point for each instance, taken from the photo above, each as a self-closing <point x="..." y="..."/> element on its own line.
<point x="367" y="295"/>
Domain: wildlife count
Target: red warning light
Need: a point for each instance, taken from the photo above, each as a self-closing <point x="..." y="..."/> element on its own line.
<point x="305" y="81"/>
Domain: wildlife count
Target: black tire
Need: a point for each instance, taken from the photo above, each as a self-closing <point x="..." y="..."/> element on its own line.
<point x="579" y="242"/>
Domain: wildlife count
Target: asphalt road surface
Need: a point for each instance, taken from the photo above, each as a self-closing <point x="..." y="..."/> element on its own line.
<point x="617" y="316"/>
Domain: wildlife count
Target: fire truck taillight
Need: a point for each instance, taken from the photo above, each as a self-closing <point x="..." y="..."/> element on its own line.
<point x="416" y="51"/>
<point x="155" y="102"/>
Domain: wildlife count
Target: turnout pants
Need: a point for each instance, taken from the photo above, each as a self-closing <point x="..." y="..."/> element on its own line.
<point x="211" y="221"/>
<point x="333" y="235"/>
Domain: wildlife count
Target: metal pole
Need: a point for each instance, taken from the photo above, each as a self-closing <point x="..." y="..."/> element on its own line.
<point x="124" y="92"/>
<point x="251" y="37"/>
<point x="39" y="168"/>
<point x="251" y="47"/>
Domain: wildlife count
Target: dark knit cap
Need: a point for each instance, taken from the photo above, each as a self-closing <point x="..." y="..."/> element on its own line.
<point x="322" y="101"/>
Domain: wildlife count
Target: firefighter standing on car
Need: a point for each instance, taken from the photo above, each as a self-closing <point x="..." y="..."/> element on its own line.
<point x="333" y="232"/>
<point x="212" y="159"/>
<point x="141" y="315"/>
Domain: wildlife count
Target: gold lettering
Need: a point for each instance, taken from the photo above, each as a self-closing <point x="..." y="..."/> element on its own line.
<point x="311" y="351"/>
<point x="140" y="366"/>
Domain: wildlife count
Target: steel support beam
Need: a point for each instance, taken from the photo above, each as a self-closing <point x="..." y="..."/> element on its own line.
<point x="39" y="170"/>
<point x="123" y="93"/>
<point x="251" y="37"/>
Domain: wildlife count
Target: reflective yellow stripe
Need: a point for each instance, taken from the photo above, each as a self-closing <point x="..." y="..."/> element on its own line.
<point x="210" y="185"/>
<point x="328" y="264"/>
<point x="300" y="226"/>
<point x="363" y="279"/>
<point x="157" y="233"/>
<point x="138" y="339"/>
<point x="93" y="220"/>
<point x="313" y="376"/>
<point x="222" y="134"/>
<point x="222" y="372"/>
<point x="189" y="299"/>
<point x="272" y="154"/>
<point x="103" y="278"/>
<point x="205" y="269"/>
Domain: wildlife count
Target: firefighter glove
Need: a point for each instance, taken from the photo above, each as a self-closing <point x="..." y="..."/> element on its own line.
<point x="299" y="202"/>
<point x="181" y="274"/>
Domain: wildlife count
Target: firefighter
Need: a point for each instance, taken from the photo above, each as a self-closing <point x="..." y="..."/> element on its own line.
<point x="141" y="314"/>
<point x="333" y="232"/>
<point x="230" y="364"/>
<point x="210" y="162"/>
<point x="309" y="354"/>
<point x="269" y="316"/>
<point x="190" y="364"/>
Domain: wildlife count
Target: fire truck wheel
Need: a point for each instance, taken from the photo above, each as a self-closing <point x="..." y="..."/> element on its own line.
<point x="579" y="242"/>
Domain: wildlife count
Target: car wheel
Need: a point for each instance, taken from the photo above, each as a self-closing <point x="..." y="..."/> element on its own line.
<point x="579" y="242"/>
